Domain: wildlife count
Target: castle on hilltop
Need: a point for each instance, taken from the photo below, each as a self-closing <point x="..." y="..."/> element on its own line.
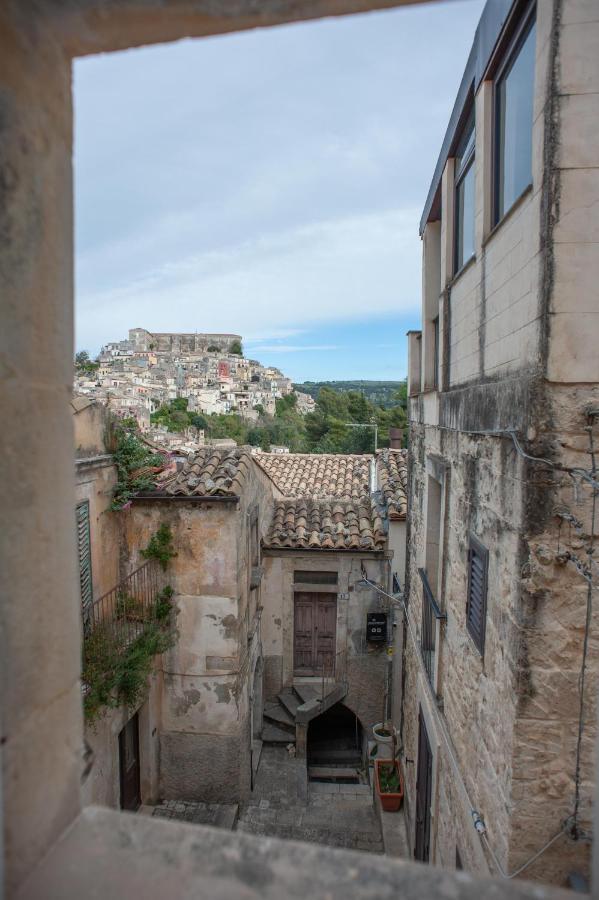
<point x="179" y="343"/>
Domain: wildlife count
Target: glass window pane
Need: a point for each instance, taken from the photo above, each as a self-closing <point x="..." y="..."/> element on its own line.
<point x="465" y="219"/>
<point x="514" y="123"/>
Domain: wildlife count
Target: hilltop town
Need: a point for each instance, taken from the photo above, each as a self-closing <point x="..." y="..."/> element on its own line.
<point x="137" y="376"/>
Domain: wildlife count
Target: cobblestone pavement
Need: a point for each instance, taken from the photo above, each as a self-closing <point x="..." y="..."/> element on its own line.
<point x="219" y="815"/>
<point x="337" y="815"/>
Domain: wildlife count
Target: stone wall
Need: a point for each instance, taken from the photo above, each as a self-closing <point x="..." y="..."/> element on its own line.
<point x="505" y="726"/>
<point x="101" y="783"/>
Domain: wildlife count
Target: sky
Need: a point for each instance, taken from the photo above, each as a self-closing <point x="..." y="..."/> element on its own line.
<point x="268" y="183"/>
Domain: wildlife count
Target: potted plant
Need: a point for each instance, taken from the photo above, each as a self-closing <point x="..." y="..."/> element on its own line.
<point x="388" y="777"/>
<point x="389" y="784"/>
<point x="383" y="735"/>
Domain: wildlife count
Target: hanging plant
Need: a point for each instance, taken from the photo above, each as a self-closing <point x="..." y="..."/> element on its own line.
<point x="115" y="669"/>
<point x="161" y="547"/>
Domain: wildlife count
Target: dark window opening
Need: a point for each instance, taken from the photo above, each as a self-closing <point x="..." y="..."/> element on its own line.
<point x="514" y="93"/>
<point x="464" y="196"/>
<point x="302" y="577"/>
<point x="458" y="859"/>
<point x="476" y="604"/>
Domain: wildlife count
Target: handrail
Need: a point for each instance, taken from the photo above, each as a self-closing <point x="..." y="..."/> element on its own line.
<point x="125" y="608"/>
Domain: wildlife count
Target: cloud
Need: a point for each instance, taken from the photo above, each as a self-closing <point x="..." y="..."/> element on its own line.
<point x="265" y="183"/>
<point x="288" y="348"/>
<point x="341" y="269"/>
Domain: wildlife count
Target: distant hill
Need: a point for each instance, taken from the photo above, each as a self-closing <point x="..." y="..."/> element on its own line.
<point x="383" y="393"/>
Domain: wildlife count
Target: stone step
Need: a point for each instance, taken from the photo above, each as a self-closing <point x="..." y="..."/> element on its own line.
<point x="333" y="772"/>
<point x="308" y="692"/>
<point x="272" y="734"/>
<point x="331" y="757"/>
<point x="290" y="701"/>
<point x="278" y="714"/>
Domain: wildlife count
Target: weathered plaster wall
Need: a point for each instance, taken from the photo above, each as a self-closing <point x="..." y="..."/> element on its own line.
<point x="209" y="673"/>
<point x="199" y="743"/>
<point x="101" y="784"/>
<point x="90" y="427"/>
<point x="365" y="664"/>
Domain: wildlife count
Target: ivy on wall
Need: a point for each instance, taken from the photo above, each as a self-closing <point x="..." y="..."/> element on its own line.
<point x="117" y="660"/>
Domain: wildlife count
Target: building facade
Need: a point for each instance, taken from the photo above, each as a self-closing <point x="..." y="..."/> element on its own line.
<point x="499" y="684"/>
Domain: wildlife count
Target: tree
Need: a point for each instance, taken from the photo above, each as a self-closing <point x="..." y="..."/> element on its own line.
<point x="236" y="348"/>
<point x="213" y="348"/>
<point x="198" y="421"/>
<point x="81" y="359"/>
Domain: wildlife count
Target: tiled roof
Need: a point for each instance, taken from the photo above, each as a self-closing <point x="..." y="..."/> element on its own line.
<point x="317" y="475"/>
<point x="392" y="475"/>
<point x="211" y="472"/>
<point x="327" y="525"/>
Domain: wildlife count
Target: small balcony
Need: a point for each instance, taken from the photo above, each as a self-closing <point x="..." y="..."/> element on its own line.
<point x="429" y="631"/>
<point x="123" y="631"/>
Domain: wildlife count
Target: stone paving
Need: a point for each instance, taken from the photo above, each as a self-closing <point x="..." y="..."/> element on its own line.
<point x="219" y="815"/>
<point x="335" y="815"/>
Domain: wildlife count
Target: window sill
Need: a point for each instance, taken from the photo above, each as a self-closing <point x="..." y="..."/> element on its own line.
<point x="467" y="265"/>
<point x="508" y="214"/>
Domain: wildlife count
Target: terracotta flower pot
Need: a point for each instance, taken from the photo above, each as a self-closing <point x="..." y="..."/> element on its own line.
<point x="389" y="802"/>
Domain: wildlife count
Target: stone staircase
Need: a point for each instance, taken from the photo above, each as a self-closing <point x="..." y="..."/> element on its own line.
<point x="295" y="706"/>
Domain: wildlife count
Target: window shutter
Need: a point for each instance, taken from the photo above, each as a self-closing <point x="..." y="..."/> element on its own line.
<point x="85" y="557"/>
<point x="476" y="604"/>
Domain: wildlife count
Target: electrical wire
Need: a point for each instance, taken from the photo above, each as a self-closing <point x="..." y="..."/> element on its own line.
<point x="528" y="862"/>
<point x="400" y="601"/>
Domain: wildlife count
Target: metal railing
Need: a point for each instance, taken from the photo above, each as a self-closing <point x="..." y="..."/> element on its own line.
<point x="431" y="614"/>
<point x="334" y="671"/>
<point x="123" y="612"/>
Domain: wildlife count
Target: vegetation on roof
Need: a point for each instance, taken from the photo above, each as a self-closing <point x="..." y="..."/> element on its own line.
<point x="132" y="458"/>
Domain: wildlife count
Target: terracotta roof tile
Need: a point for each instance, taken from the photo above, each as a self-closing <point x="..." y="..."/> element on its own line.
<point x="211" y="472"/>
<point x="317" y="475"/>
<point x="392" y="474"/>
<point x="323" y="525"/>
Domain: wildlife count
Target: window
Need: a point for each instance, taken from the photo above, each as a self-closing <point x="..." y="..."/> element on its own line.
<point x="513" y="122"/>
<point x="476" y="603"/>
<point x="304" y="577"/>
<point x="85" y="557"/>
<point x="464" y="196"/>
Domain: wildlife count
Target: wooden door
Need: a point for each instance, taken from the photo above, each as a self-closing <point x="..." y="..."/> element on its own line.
<point x="424" y="781"/>
<point x="315" y="630"/>
<point x="129" y="765"/>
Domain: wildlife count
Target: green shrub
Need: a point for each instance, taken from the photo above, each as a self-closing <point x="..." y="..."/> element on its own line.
<point x="161" y="546"/>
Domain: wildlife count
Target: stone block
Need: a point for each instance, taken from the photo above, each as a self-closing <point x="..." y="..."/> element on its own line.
<point x="579" y="131"/>
<point x="579" y="51"/>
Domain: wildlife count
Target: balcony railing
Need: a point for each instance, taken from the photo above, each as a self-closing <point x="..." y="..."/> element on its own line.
<point x="431" y="616"/>
<point x="123" y="611"/>
<point x="123" y="631"/>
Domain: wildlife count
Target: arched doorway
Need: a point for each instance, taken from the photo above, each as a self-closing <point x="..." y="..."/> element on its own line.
<point x="335" y="746"/>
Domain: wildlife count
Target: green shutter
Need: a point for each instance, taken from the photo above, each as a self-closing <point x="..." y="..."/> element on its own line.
<point x="85" y="556"/>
